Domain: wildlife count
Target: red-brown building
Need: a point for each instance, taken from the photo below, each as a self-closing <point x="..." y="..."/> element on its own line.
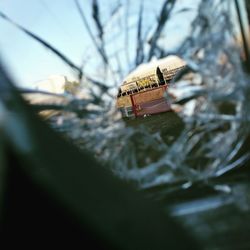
<point x="142" y="91"/>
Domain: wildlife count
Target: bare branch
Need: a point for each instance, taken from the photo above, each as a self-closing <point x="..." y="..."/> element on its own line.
<point x="85" y="22"/>
<point x="139" y="49"/>
<point x="164" y="16"/>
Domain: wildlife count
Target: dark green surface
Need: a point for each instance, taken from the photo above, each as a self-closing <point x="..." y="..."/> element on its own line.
<point x="216" y="211"/>
<point x="169" y="124"/>
<point x="55" y="192"/>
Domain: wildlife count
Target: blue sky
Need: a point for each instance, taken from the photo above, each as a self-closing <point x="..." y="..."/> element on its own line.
<point x="59" y="23"/>
<point x="29" y="60"/>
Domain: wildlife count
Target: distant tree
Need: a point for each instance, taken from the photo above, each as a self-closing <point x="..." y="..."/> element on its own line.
<point x="71" y="87"/>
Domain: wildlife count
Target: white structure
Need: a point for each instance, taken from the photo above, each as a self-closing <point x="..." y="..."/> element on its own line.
<point x="54" y="84"/>
<point x="170" y="62"/>
<point x="166" y="65"/>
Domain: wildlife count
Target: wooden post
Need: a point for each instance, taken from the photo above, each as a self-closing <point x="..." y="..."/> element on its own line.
<point x="133" y="105"/>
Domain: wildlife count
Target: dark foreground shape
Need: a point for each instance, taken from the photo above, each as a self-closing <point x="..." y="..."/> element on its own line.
<point x="53" y="194"/>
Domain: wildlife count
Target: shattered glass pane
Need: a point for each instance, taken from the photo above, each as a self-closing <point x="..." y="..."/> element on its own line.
<point x="211" y="96"/>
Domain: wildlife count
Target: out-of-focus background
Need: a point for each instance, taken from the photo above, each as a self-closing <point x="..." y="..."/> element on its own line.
<point x="68" y="59"/>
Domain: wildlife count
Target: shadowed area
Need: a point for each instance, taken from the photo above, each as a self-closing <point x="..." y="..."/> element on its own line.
<point x="81" y="196"/>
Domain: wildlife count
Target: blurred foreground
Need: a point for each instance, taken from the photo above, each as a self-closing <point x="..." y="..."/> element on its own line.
<point x="195" y="165"/>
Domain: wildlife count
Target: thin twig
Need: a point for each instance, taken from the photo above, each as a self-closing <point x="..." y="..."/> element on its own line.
<point x="139" y="50"/>
<point x="126" y="40"/>
<point x="164" y="16"/>
<point x="85" y="22"/>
